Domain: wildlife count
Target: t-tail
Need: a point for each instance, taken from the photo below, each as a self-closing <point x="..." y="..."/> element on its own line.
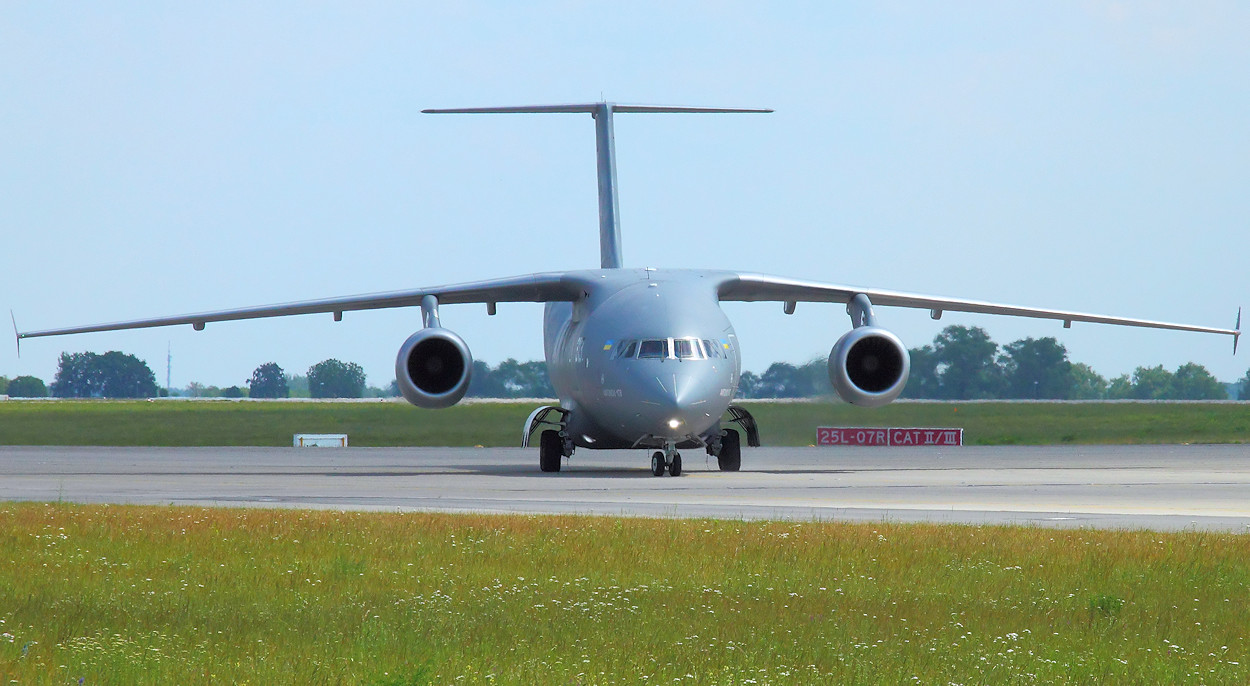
<point x="605" y="153"/>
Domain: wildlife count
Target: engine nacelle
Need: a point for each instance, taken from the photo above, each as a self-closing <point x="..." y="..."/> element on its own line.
<point x="868" y="366"/>
<point x="433" y="368"/>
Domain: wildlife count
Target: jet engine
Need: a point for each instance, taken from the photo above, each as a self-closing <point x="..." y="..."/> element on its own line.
<point x="433" y="367"/>
<point x="868" y="366"/>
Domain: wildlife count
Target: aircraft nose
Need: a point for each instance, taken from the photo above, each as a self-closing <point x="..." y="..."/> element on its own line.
<point x="682" y="401"/>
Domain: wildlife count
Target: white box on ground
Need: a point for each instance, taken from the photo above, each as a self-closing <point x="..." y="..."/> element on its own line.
<point x="320" y="440"/>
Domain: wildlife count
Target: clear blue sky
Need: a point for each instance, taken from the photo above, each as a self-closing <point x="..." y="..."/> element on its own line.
<point x="167" y="158"/>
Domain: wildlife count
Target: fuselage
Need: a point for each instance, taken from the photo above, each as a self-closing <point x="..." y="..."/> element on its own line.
<point x="645" y="357"/>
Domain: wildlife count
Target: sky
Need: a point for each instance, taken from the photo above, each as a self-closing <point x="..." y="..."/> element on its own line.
<point x="167" y="158"/>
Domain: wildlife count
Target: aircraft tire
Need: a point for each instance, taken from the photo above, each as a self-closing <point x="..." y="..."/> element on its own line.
<point x="550" y="451"/>
<point x="730" y="457"/>
<point x="657" y="464"/>
<point x="674" y="467"/>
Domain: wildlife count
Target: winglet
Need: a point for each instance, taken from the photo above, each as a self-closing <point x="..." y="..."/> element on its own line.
<point x="1237" y="331"/>
<point x="16" y="336"/>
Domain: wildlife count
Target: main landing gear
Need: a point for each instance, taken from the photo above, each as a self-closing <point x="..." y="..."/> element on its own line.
<point x="729" y="459"/>
<point x="550" y="451"/>
<point x="668" y="459"/>
<point x="552" y="446"/>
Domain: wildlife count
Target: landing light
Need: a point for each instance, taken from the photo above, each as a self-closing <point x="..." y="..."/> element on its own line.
<point x="674" y="423"/>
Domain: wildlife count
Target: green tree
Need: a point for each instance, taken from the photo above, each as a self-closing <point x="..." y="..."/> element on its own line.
<point x="538" y="383"/>
<point x="334" y="379"/>
<point x="4" y="385"/>
<point x="967" y="365"/>
<point x="1120" y="388"/>
<point x="298" y="383"/>
<point x="510" y="379"/>
<point x="1152" y="383"/>
<point x="111" y="375"/>
<point x="923" y="381"/>
<point x="748" y="385"/>
<point x="77" y="377"/>
<point x="1037" y="368"/>
<point x="815" y="375"/>
<point x="482" y="382"/>
<point x="522" y="379"/>
<point x="232" y="392"/>
<point x="1243" y="386"/>
<point x="1085" y="383"/>
<point x="27" y="387"/>
<point x="783" y="380"/>
<point x="126" y="376"/>
<point x="1192" y="381"/>
<point x="268" y="381"/>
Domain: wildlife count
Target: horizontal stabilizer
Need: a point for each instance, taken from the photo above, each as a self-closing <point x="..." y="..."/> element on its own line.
<point x="591" y="108"/>
<point x="605" y="154"/>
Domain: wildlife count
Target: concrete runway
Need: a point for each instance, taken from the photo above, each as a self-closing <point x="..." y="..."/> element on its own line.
<point x="1154" y="487"/>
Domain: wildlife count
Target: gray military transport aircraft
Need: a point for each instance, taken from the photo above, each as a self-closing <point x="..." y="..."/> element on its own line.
<point x="640" y="358"/>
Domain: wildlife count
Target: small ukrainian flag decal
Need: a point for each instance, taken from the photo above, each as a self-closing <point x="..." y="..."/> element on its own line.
<point x="608" y="346"/>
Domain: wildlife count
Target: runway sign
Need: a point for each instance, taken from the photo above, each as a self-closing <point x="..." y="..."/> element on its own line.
<point x="320" y="440"/>
<point x="835" y="435"/>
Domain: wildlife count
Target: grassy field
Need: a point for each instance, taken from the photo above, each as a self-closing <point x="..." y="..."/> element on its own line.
<point x="1021" y="423"/>
<point x="121" y="595"/>
<point x="170" y="423"/>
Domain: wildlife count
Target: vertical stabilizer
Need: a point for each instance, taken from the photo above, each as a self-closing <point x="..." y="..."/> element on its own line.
<point x="609" y="204"/>
<point x="605" y="157"/>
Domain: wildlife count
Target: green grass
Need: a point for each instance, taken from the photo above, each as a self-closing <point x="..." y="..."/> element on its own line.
<point x="176" y="423"/>
<point x="1021" y="423"/>
<point x="120" y="595"/>
<point x="171" y="423"/>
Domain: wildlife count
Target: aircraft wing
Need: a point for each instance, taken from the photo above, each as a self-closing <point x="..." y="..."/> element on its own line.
<point x="760" y="287"/>
<point x="530" y="288"/>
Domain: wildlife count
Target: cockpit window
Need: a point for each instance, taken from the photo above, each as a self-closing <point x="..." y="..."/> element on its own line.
<point x="686" y="349"/>
<point x="627" y="349"/>
<point x="654" y="349"/>
<point x="668" y="349"/>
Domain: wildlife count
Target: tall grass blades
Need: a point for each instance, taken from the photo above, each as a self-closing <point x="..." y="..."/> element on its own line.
<point x="120" y="595"/>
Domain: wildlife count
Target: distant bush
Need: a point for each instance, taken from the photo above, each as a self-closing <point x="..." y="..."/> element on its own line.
<point x="27" y="387"/>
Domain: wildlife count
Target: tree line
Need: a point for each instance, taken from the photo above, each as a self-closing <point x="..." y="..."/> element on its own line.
<point x="962" y="363"/>
<point x="119" y="375"/>
<point x="88" y="375"/>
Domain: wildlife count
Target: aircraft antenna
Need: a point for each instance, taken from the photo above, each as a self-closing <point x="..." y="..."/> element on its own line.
<point x="605" y="156"/>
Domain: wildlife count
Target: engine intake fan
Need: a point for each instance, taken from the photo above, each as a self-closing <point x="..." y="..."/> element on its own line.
<point x="433" y="367"/>
<point x="868" y="366"/>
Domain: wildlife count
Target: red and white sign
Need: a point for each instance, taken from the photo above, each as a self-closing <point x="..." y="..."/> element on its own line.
<point x="831" y="435"/>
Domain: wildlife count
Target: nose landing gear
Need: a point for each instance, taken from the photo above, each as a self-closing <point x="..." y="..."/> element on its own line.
<point x="668" y="459"/>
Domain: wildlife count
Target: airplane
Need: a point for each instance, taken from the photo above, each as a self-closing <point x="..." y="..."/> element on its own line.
<point x="641" y="358"/>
